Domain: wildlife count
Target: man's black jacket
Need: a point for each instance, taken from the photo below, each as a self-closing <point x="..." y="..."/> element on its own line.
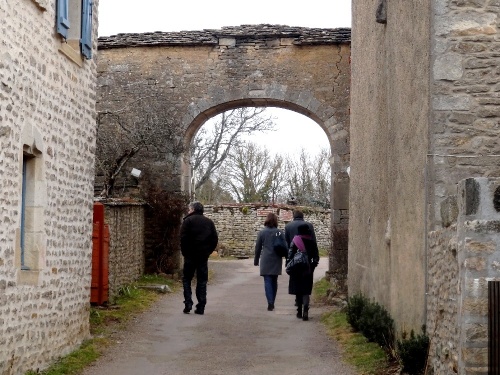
<point x="198" y="236"/>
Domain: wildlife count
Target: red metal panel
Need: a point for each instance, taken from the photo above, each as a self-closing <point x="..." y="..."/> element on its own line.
<point x="100" y="243"/>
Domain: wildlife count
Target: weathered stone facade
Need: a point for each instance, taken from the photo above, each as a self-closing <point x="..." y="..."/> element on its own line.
<point x="126" y="244"/>
<point x="462" y="259"/>
<point x="196" y="75"/>
<point x="465" y="96"/>
<point x="424" y="116"/>
<point x="47" y="129"/>
<point x="238" y="225"/>
<point x="389" y="145"/>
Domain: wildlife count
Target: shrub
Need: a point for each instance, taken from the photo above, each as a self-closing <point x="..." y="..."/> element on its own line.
<point x="413" y="351"/>
<point x="377" y="325"/>
<point x="355" y="306"/>
<point x="371" y="319"/>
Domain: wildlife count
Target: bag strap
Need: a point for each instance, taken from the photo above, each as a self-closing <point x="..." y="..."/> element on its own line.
<point x="297" y="240"/>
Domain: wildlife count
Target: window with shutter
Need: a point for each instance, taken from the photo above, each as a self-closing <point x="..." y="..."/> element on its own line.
<point x="86" y="39"/>
<point x="77" y="39"/>
<point x="63" y="17"/>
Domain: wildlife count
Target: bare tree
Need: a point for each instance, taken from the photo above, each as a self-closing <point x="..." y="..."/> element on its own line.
<point x="308" y="178"/>
<point x="212" y="146"/>
<point x="213" y="191"/>
<point x="122" y="134"/>
<point x="252" y="175"/>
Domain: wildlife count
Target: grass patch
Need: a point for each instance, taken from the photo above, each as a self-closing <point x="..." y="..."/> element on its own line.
<point x="320" y="288"/>
<point x="104" y="320"/>
<point x="323" y="252"/>
<point x="366" y="357"/>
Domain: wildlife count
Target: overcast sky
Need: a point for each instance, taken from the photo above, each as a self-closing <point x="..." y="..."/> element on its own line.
<point x="137" y="16"/>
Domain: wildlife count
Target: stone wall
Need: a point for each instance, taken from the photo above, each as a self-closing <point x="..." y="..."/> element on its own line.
<point x="424" y="114"/>
<point x="389" y="144"/>
<point x="463" y="257"/>
<point x="126" y="244"/>
<point x="442" y="300"/>
<point x="238" y="225"/>
<point x="47" y="123"/>
<point x="465" y="95"/>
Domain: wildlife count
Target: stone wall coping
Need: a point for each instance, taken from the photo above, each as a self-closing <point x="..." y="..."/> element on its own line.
<point x="120" y="201"/>
<point x="300" y="35"/>
<point x="304" y="209"/>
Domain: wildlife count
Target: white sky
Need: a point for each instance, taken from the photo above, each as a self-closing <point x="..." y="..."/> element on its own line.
<point x="133" y="16"/>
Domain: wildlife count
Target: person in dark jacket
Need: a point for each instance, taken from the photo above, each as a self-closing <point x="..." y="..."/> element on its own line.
<point x="291" y="230"/>
<point x="265" y="256"/>
<point x="198" y="240"/>
<point x="301" y="281"/>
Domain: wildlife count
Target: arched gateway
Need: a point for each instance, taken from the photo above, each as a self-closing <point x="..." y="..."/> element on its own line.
<point x="199" y="74"/>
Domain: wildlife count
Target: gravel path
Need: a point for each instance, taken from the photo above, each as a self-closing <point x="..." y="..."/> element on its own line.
<point x="236" y="336"/>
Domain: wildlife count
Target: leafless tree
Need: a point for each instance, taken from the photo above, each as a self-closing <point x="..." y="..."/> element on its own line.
<point x="308" y="178"/>
<point x="211" y="146"/>
<point x="252" y="175"/>
<point x="122" y="134"/>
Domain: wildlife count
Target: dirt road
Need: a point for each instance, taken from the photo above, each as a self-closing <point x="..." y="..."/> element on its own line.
<point x="236" y="336"/>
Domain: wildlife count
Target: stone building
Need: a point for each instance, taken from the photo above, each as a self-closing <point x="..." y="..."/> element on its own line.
<point x="425" y="110"/>
<point x="47" y="137"/>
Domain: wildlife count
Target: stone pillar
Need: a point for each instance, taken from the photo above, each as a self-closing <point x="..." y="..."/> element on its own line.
<point x="479" y="261"/>
<point x="340" y="223"/>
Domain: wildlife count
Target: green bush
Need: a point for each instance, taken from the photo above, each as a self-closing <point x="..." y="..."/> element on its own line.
<point x="371" y="319"/>
<point x="413" y="352"/>
<point x="355" y="306"/>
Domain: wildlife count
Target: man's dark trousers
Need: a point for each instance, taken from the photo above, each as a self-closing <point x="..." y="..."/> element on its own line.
<point x="200" y="266"/>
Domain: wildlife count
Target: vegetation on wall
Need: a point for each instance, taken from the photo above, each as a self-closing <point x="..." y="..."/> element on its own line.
<point x="164" y="214"/>
<point x="123" y="135"/>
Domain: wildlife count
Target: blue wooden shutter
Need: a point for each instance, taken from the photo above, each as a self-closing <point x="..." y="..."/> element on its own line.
<point x="86" y="40"/>
<point x="62" y="17"/>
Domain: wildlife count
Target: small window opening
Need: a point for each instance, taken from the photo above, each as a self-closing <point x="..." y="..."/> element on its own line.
<point x="27" y="203"/>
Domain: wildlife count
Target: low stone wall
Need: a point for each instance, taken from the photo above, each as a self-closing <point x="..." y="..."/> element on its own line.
<point x="126" y="244"/>
<point x="238" y="225"/>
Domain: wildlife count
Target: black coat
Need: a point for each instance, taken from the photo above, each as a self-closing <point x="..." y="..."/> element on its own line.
<point x="292" y="229"/>
<point x="302" y="283"/>
<point x="198" y="236"/>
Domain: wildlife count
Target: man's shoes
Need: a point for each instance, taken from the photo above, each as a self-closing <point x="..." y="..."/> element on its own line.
<point x="187" y="309"/>
<point x="199" y="311"/>
<point x="270" y="306"/>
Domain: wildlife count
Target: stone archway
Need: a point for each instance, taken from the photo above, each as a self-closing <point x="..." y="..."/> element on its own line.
<point x="202" y="117"/>
<point x="198" y="74"/>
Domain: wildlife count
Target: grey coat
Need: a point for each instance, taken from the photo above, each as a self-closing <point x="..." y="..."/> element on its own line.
<point x="270" y="262"/>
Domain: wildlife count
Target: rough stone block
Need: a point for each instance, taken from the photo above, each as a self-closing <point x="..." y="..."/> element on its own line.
<point x="449" y="211"/>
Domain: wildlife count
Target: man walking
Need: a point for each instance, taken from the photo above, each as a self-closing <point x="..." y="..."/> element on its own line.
<point x="292" y="228"/>
<point x="198" y="240"/>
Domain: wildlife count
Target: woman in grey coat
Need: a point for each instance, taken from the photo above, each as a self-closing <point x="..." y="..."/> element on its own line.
<point x="270" y="262"/>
